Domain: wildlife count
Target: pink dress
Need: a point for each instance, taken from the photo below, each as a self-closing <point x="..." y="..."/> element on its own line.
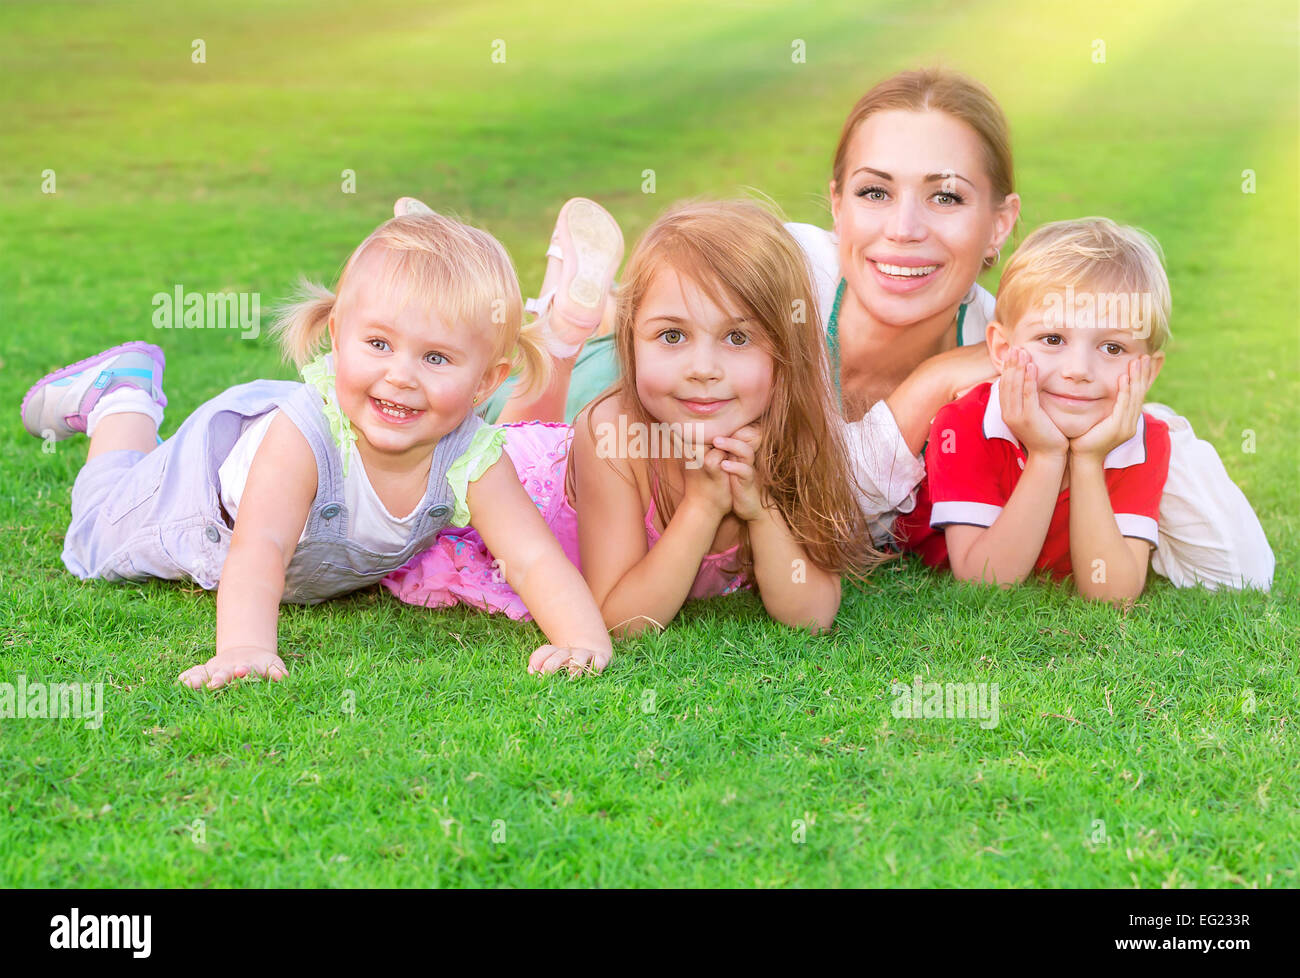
<point x="459" y="569"/>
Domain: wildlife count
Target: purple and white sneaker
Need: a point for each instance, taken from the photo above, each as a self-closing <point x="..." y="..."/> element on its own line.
<point x="59" y="404"/>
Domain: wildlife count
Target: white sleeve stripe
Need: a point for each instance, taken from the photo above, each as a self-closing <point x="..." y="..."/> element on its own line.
<point x="973" y="514"/>
<point x="1142" y="527"/>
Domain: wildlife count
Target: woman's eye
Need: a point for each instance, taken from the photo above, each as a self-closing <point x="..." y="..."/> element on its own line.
<point x="437" y="359"/>
<point x="671" y="336"/>
<point x="378" y="344"/>
<point x="872" y="193"/>
<point x="948" y="199"/>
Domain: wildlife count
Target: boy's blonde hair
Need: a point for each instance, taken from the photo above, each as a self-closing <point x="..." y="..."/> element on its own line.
<point x="461" y="272"/>
<point x="1118" y="269"/>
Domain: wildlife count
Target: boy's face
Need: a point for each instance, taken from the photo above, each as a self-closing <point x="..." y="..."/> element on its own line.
<point x="1079" y="359"/>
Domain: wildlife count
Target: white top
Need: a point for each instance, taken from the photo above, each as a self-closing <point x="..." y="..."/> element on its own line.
<point x="370" y="525"/>
<point x="887" y="473"/>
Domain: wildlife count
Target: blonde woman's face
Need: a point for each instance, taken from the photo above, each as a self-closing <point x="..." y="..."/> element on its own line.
<point x="915" y="215"/>
<point x="697" y="363"/>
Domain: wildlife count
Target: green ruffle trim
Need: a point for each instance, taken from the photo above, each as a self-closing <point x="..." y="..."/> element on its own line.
<point x="320" y="375"/>
<point x="484" y="449"/>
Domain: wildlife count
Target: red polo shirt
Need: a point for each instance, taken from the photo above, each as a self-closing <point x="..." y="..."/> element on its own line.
<point x="972" y="465"/>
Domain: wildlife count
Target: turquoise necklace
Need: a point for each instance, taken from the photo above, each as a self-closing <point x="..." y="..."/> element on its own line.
<point x="833" y="337"/>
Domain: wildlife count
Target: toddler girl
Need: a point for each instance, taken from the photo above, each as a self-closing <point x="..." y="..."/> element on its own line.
<point x="276" y="491"/>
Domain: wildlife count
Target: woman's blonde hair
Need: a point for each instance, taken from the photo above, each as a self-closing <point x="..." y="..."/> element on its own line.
<point x="940" y="90"/>
<point x="461" y="272"/>
<point x="1116" y="269"/>
<point x="741" y="256"/>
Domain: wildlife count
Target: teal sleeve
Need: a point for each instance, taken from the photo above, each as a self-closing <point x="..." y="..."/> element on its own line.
<point x="595" y="369"/>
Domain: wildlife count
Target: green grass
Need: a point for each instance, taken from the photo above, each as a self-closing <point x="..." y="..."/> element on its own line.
<point x="404" y="741"/>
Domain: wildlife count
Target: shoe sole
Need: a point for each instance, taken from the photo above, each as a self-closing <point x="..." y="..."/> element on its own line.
<point x="135" y="346"/>
<point x="598" y="246"/>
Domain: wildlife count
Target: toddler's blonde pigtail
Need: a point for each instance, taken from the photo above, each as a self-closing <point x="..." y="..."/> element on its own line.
<point x="302" y="324"/>
<point x="532" y="359"/>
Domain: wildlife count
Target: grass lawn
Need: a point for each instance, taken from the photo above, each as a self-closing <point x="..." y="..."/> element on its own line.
<point x="411" y="748"/>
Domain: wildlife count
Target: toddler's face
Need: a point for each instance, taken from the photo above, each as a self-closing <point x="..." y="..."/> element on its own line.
<point x="404" y="377"/>
<point x="1079" y="357"/>
<point x="698" y="364"/>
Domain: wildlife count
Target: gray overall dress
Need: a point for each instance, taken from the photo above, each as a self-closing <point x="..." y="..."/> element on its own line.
<point x="139" y="515"/>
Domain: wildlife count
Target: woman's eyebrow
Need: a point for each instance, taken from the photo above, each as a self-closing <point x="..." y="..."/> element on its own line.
<point x="929" y="177"/>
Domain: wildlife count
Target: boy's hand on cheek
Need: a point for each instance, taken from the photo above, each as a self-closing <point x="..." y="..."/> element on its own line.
<point x="1021" y="410"/>
<point x="746" y="497"/>
<point x="1121" y="424"/>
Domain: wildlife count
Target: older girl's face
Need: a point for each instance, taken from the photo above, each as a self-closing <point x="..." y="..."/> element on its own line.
<point x="916" y="215"/>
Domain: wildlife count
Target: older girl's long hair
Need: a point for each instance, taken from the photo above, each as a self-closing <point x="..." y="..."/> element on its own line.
<point x="742" y="257"/>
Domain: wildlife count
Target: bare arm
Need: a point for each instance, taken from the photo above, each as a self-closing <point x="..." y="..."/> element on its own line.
<point x="636" y="586"/>
<point x="933" y="384"/>
<point x="272" y="513"/>
<point x="795" y="591"/>
<point x="1094" y="536"/>
<point x="537" y="570"/>
<point x="1005" y="553"/>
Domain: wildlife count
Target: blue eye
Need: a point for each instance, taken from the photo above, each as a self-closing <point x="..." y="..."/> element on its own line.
<point x="436" y="359"/>
<point x="378" y="344"/>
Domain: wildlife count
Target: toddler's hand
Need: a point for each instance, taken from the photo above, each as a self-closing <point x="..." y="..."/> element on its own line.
<point x="553" y="658"/>
<point x="1021" y="410"/>
<point x="1121" y="424"/>
<point x="746" y="497"/>
<point x="235" y="664"/>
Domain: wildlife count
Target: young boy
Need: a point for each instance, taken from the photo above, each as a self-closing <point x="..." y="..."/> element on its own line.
<point x="1054" y="467"/>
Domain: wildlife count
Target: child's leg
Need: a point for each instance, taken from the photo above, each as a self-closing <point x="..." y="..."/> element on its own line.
<point x="551" y="404"/>
<point x="115" y="397"/>
<point x="1208" y="532"/>
<point x="131" y="432"/>
<point x="585" y="251"/>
